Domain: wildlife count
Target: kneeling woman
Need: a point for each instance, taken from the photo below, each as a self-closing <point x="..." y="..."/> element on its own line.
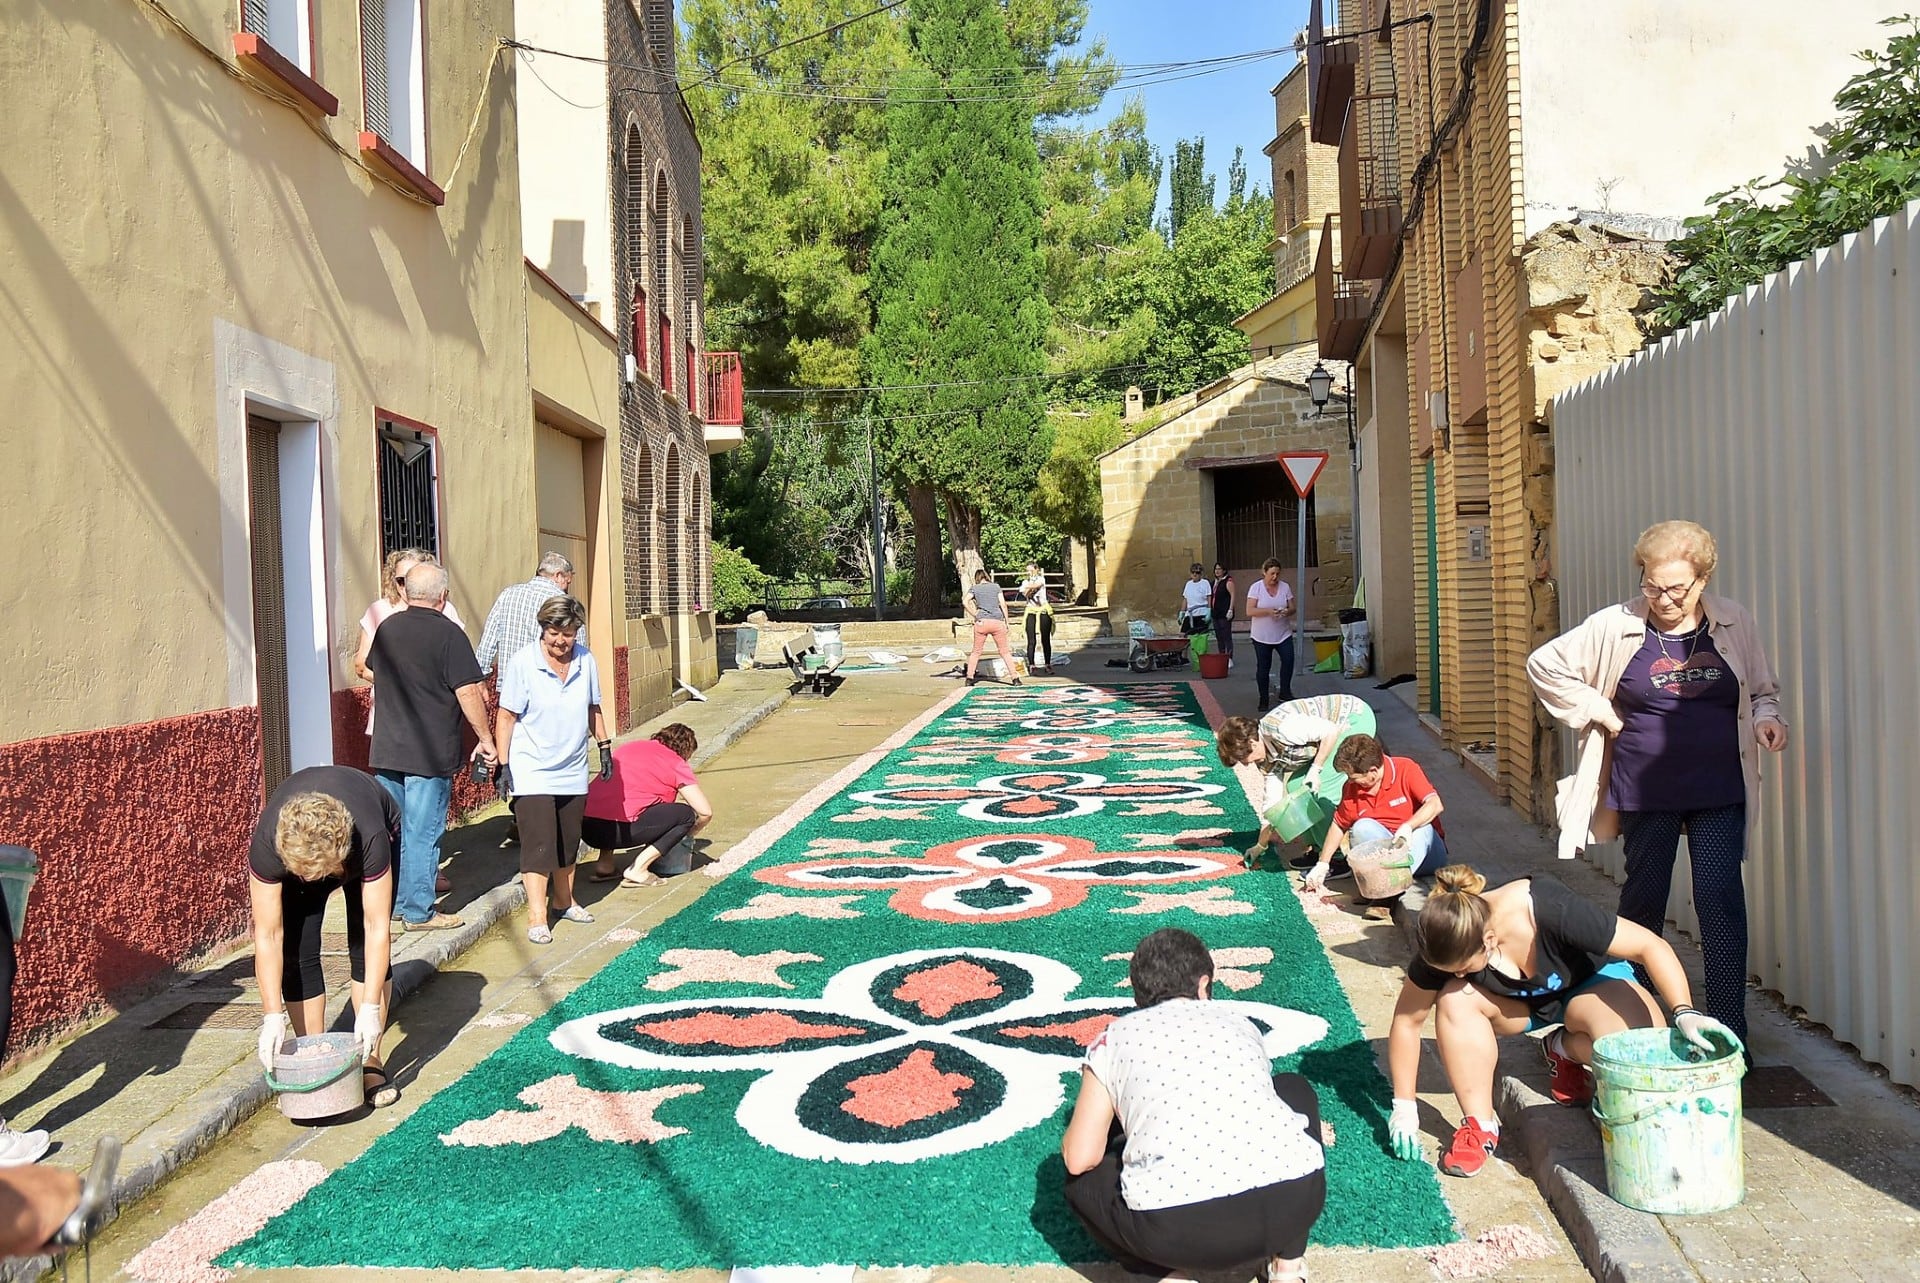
<point x="326" y="827"/>
<point x="1523" y="956"/>
<point x="1185" y="1151"/>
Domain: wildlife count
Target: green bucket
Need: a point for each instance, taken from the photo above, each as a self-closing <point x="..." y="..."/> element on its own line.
<point x="1670" y="1123"/>
<point x="19" y="867"/>
<point x="1300" y="816"/>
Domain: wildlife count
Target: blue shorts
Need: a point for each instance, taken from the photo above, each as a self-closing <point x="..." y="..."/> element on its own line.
<point x="1555" y="1012"/>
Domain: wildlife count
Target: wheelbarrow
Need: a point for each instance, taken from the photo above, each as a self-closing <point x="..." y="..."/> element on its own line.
<point x="1149" y="653"/>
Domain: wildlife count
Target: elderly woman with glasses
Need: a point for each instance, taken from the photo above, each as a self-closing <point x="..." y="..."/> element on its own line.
<point x="1673" y="697"/>
<point x="549" y="703"/>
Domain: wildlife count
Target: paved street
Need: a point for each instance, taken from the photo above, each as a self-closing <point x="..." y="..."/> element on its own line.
<point x="1832" y="1189"/>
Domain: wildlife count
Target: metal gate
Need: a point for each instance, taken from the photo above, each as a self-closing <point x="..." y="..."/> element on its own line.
<point x="1256" y="516"/>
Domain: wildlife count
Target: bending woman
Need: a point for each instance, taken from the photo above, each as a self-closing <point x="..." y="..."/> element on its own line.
<point x="651" y="801"/>
<point x="1185" y="1151"/>
<point x="1524" y="956"/>
<point x="1296" y="741"/>
<point x="326" y="827"/>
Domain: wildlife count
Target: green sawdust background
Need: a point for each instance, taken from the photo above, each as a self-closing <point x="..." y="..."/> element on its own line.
<point x="717" y="1198"/>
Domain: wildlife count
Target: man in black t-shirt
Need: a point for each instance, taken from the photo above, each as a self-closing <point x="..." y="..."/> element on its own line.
<point x="428" y="679"/>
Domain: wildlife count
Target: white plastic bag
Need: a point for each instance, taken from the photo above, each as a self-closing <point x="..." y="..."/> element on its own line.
<point x="1356" y="648"/>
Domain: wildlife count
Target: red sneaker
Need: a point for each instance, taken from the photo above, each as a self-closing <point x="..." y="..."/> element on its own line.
<point x="1472" y="1146"/>
<point x="1571" y="1082"/>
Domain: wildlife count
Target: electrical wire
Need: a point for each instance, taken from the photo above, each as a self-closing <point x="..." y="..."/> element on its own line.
<point x="1251" y="354"/>
<point x="835" y="29"/>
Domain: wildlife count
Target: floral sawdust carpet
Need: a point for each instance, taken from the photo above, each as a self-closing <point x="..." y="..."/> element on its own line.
<point x="861" y="1047"/>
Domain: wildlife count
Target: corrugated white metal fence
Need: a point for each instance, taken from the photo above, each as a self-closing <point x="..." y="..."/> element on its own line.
<point x="1789" y="425"/>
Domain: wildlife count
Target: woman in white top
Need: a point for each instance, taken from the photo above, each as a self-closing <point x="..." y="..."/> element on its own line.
<point x="1270" y="610"/>
<point x="1196" y="602"/>
<point x="1185" y="1151"/>
<point x="1039" y="615"/>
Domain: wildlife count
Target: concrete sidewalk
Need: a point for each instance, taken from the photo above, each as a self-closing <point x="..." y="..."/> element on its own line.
<point x="1833" y="1173"/>
<point x="174" y="1073"/>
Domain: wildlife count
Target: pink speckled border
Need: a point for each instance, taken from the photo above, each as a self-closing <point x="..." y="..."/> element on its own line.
<point x="1208" y="704"/>
<point x="758" y="841"/>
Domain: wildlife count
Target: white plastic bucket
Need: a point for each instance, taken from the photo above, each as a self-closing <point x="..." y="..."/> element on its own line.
<point x="827" y="643"/>
<point x="1670" y="1124"/>
<point x="318" y="1076"/>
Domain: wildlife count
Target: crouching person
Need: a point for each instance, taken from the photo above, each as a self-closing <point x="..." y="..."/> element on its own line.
<point x="1185" y="1151"/>
<point x="1524" y="956"/>
<point x="326" y="827"/>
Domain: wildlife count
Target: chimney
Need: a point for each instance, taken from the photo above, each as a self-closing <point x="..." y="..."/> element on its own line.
<point x="1136" y="406"/>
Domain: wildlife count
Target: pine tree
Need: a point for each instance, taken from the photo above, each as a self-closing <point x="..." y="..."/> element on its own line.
<point x="958" y="280"/>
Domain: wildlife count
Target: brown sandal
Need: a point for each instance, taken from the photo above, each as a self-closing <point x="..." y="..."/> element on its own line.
<point x="604" y="871"/>
<point x="379" y="1091"/>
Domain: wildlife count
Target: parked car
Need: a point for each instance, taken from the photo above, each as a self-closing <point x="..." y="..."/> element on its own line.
<point x="826" y="603"/>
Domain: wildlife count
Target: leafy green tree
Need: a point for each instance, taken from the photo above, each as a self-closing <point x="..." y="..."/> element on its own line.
<point x="1189" y="187"/>
<point x="1066" y="493"/>
<point x="738" y="584"/>
<point x="1870" y="168"/>
<point x="957" y="278"/>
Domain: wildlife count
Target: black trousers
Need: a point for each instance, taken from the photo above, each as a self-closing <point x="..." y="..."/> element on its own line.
<point x="1040" y="623"/>
<point x="303" y="905"/>
<point x="7" y="965"/>
<point x="661" y="826"/>
<point x="1264" y="656"/>
<point x="1238" y="1232"/>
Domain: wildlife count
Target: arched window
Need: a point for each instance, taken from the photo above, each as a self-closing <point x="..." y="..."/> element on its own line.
<point x="663" y="275"/>
<point x="674" y="554"/>
<point x="697" y="542"/>
<point x="660" y="32"/>
<point x="690" y="300"/>
<point x="637" y="506"/>
<point x="634" y="218"/>
<point x="1289" y="203"/>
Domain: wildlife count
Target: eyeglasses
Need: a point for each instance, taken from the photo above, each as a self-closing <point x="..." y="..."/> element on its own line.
<point x="1676" y="593"/>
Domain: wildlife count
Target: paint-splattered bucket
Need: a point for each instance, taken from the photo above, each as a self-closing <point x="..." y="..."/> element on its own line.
<point x="318" y="1076"/>
<point x="19" y="868"/>
<point x="1670" y="1123"/>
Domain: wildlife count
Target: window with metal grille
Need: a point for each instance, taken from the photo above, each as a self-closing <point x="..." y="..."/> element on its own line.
<point x="1256" y="516"/>
<point x="393" y="75"/>
<point x="409" y="489"/>
<point x="282" y="24"/>
<point x="674" y="554"/>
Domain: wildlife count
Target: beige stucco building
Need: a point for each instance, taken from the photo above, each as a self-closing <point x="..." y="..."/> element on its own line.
<point x="1499" y="225"/>
<point x="1305" y="180"/>
<point x="1201" y="481"/>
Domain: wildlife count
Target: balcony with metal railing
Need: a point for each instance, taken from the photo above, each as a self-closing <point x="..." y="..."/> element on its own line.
<point x="1331" y="63"/>
<point x="1342" y="304"/>
<point x="1370" y="187"/>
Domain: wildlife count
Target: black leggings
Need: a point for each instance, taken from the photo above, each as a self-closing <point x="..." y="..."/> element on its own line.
<point x="1043" y="624"/>
<point x="1716" y="845"/>
<point x="661" y="826"/>
<point x="303" y="906"/>
<point x="1238" y="1232"/>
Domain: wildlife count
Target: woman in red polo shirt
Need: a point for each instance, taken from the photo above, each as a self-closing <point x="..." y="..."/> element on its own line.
<point x="1384" y="797"/>
<point x="652" y="801"/>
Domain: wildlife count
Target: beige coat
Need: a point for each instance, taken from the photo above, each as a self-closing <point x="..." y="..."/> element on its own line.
<point x="1576" y="674"/>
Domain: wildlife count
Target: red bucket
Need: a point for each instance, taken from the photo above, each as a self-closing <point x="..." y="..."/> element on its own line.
<point x="1213" y="665"/>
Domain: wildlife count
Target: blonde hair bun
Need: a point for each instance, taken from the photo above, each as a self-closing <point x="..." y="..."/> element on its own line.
<point x="1461" y="879"/>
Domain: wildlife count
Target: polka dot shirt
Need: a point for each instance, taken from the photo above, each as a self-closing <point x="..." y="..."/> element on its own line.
<point x="1193" y="1087"/>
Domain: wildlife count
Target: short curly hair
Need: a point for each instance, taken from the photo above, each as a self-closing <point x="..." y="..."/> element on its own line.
<point x="1358" y="755"/>
<point x="1236" y="739"/>
<point x="313" y="835"/>
<point x="1170" y="963"/>
<point x="1687" y="541"/>
<point x="679" y="737"/>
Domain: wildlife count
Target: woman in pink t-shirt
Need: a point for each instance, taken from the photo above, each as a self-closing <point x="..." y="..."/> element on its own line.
<point x="1271" y="610"/>
<point x="652" y="802"/>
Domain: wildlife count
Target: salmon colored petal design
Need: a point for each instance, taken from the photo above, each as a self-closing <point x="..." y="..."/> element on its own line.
<point x="910" y="1091"/>
<point x="938" y="990"/>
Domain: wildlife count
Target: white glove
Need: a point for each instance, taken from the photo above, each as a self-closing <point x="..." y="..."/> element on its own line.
<point x="366" y="1027"/>
<point x="1317" y="876"/>
<point x="1695" y="1027"/>
<point x="274" y="1027"/>
<point x="1255" y="851"/>
<point x="1403" y="1129"/>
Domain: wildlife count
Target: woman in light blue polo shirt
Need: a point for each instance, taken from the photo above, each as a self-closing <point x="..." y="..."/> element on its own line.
<point x="549" y="701"/>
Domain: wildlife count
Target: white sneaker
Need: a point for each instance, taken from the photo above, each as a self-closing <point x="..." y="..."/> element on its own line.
<point x="575" y="913"/>
<point x="17" y="1149"/>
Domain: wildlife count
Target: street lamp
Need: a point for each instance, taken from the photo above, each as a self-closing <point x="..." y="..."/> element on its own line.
<point x="1320" y="385"/>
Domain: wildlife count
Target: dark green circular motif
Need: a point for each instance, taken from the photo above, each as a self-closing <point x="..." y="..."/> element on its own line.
<point x="1013" y="981"/>
<point x="822" y="1108"/>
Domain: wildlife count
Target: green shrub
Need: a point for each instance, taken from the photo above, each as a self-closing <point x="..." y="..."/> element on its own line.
<point x="738" y="584"/>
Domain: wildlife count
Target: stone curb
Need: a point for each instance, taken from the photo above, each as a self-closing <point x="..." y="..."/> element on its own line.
<point x="197" y="1123"/>
<point x="1617" y="1243"/>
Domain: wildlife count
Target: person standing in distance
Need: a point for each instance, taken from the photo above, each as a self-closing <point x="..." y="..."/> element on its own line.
<point x="429" y="680"/>
<point x="1223" y="610"/>
<point x="1039" y="617"/>
<point x="1270" y="610"/>
<point x="1196" y="602"/>
<point x="988" y="611"/>
<point x="326" y="827"/>
<point x="513" y="624"/>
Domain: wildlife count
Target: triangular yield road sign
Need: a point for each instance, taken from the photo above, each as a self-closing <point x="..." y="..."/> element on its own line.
<point x="1303" y="468"/>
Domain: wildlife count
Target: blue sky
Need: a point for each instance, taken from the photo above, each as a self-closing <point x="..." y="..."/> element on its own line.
<point x="1233" y="107"/>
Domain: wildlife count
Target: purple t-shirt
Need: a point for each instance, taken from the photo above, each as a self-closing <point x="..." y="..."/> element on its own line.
<point x="1679" y="742"/>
